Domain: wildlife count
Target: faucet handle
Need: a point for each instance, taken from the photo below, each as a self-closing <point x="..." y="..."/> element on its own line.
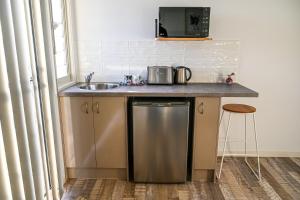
<point x="90" y="74"/>
<point x="88" y="77"/>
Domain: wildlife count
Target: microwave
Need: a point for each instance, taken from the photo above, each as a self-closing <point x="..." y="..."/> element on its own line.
<point x="187" y="22"/>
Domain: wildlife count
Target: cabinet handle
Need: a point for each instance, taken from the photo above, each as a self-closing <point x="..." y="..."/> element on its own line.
<point x="97" y="106"/>
<point x="201" y="108"/>
<point x="86" y="108"/>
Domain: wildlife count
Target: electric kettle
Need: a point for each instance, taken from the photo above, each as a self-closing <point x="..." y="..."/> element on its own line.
<point x="181" y="75"/>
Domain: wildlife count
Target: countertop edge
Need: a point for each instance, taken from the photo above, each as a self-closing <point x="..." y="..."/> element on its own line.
<point x="234" y="92"/>
<point x="156" y="95"/>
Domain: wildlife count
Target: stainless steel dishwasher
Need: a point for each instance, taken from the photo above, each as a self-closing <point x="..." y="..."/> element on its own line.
<point x="160" y="141"/>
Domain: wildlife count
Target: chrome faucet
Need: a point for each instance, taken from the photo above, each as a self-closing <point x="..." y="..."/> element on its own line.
<point x="88" y="78"/>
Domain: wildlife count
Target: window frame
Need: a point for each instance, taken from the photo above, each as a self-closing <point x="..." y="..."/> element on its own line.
<point x="70" y="77"/>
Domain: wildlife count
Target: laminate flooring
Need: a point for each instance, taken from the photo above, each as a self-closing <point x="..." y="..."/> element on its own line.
<point x="280" y="180"/>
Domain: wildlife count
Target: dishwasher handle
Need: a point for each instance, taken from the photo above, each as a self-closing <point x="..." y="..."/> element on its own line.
<point x="160" y="104"/>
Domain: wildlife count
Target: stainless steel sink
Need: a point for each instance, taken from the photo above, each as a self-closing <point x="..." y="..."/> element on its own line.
<point x="98" y="86"/>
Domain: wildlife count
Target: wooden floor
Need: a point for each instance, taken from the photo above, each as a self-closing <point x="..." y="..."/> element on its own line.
<point x="281" y="180"/>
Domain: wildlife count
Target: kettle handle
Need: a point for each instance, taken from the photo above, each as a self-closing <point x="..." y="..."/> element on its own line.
<point x="190" y="73"/>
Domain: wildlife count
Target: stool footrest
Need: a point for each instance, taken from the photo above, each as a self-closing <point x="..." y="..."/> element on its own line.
<point x="258" y="176"/>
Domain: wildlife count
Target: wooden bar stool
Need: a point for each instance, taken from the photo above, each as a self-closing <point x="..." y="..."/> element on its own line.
<point x="240" y="109"/>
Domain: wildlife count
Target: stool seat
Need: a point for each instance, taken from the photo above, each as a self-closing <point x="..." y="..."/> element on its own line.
<point x="239" y="108"/>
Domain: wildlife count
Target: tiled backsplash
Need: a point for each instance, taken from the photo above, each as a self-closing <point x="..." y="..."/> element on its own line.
<point x="210" y="61"/>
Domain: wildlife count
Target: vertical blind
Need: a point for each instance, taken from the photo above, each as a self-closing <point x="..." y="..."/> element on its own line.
<point x="30" y="165"/>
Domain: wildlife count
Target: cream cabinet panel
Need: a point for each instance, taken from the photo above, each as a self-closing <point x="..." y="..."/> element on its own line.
<point x="78" y="132"/>
<point x="206" y="128"/>
<point x="110" y="131"/>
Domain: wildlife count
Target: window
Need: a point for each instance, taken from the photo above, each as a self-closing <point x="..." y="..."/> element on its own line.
<point x="63" y="71"/>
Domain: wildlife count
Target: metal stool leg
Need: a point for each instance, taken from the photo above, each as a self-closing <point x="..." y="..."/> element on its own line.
<point x="221" y="119"/>
<point x="256" y="143"/>
<point x="258" y="175"/>
<point x="225" y="143"/>
<point x="245" y="137"/>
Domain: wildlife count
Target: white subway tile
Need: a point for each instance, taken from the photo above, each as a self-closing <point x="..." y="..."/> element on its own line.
<point x="210" y="61"/>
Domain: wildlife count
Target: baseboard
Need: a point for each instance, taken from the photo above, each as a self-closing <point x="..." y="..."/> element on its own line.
<point x="264" y="153"/>
<point x="203" y="175"/>
<point x="97" y="173"/>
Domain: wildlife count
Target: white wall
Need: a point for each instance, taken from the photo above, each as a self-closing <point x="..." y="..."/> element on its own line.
<point x="268" y="31"/>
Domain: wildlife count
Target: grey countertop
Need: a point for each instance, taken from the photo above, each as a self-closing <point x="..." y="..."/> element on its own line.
<point x="189" y="90"/>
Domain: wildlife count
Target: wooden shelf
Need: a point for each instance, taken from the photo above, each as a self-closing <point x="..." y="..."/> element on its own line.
<point x="182" y="39"/>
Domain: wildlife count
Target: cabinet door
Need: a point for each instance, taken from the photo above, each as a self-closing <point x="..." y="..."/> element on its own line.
<point x="77" y="122"/>
<point x="110" y="131"/>
<point x="207" y="111"/>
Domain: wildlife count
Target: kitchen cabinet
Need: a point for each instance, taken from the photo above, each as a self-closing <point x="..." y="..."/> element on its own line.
<point x="206" y="128"/>
<point x="78" y="137"/>
<point x="94" y="132"/>
<point x="110" y="131"/>
<point x="95" y="143"/>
